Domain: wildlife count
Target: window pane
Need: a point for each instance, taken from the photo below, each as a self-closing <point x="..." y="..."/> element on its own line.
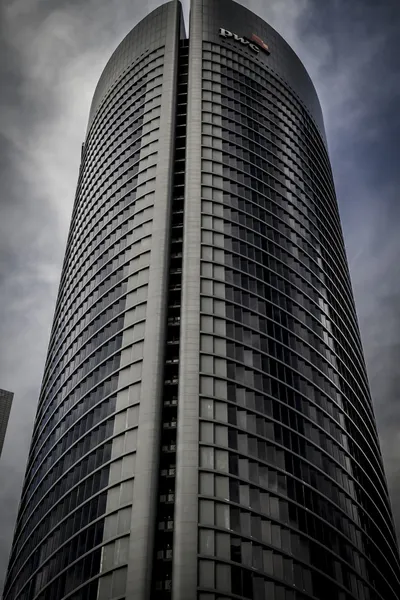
<point x="222" y="515"/>
<point x="206" y="457"/>
<point x="206" y="511"/>
<point x="206" y="573"/>
<point x="206" y="542"/>
<point x="224" y="578"/>
<point x="207" y="484"/>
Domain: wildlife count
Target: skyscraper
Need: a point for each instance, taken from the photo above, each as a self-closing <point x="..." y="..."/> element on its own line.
<point x="6" y="399"/>
<point x="205" y="428"/>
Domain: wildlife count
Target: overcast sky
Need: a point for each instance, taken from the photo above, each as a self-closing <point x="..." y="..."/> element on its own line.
<point x="51" y="55"/>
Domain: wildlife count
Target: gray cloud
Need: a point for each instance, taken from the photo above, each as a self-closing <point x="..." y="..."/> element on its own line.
<point x="51" y="60"/>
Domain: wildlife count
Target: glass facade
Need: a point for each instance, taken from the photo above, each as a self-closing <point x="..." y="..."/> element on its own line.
<point x="291" y="482"/>
<point x="205" y="428"/>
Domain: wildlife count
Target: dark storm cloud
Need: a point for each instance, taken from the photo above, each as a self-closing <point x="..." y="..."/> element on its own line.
<point x="51" y="57"/>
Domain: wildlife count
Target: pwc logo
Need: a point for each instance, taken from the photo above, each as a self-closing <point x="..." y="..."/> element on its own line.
<point x="255" y="43"/>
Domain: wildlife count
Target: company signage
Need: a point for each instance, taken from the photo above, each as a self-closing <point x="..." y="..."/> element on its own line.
<point x="255" y="43"/>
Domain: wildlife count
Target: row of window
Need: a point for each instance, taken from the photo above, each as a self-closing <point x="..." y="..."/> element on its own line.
<point x="296" y="233"/>
<point x="136" y="353"/>
<point x="289" y="207"/>
<point x="302" y="161"/>
<point x="277" y="301"/>
<point x="255" y="376"/>
<point x="281" y="524"/>
<point x="227" y="413"/>
<point x="262" y="446"/>
<point x="116" y="189"/>
<point x="247" y="584"/>
<point x="127" y="98"/>
<point x="78" y="545"/>
<point x="67" y="383"/>
<point x="102" y="179"/>
<point x="241" y="185"/>
<point x="111" y="224"/>
<point x="73" y="576"/>
<point x="58" y="505"/>
<point x="265" y="431"/>
<point x="273" y="91"/>
<point x="308" y="317"/>
<point x="119" y="143"/>
<point x="231" y="130"/>
<point x="92" y="246"/>
<point x="80" y="420"/>
<point x="121" y="92"/>
<point x="135" y="255"/>
<point x="110" y="366"/>
<point x="281" y="282"/>
<point x="82" y="453"/>
<point x="265" y="290"/>
<point x="269" y="124"/>
<point x="249" y="109"/>
<point x="327" y="524"/>
<point x="289" y="227"/>
<point x="67" y="305"/>
<point x="93" y="271"/>
<point x="74" y="407"/>
<point x="95" y="303"/>
<point x="348" y="382"/>
<point x="273" y="177"/>
<point x="262" y="91"/>
<point x="305" y="275"/>
<point x="250" y="153"/>
<point x="70" y="503"/>
<point x="84" y="344"/>
<point x="246" y="117"/>
<point x="69" y="481"/>
<point x="334" y="425"/>
<point x="138" y="279"/>
<point x="86" y="357"/>
<point x="72" y="513"/>
<point x="58" y="408"/>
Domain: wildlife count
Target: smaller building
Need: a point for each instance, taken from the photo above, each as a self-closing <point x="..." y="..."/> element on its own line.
<point x="6" y="399"/>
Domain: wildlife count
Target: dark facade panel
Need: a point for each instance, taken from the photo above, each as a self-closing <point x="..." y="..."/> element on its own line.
<point x="6" y="399"/>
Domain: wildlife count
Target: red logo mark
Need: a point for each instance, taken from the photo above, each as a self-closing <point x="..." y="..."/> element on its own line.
<point x="260" y="43"/>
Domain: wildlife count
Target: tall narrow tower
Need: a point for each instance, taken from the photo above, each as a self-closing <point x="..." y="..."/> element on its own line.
<point x="205" y="429"/>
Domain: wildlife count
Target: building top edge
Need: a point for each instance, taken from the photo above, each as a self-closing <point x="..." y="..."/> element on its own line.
<point x="143" y="37"/>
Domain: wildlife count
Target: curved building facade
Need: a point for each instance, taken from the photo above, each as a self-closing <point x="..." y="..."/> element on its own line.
<point x="91" y="443"/>
<point x="205" y="428"/>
